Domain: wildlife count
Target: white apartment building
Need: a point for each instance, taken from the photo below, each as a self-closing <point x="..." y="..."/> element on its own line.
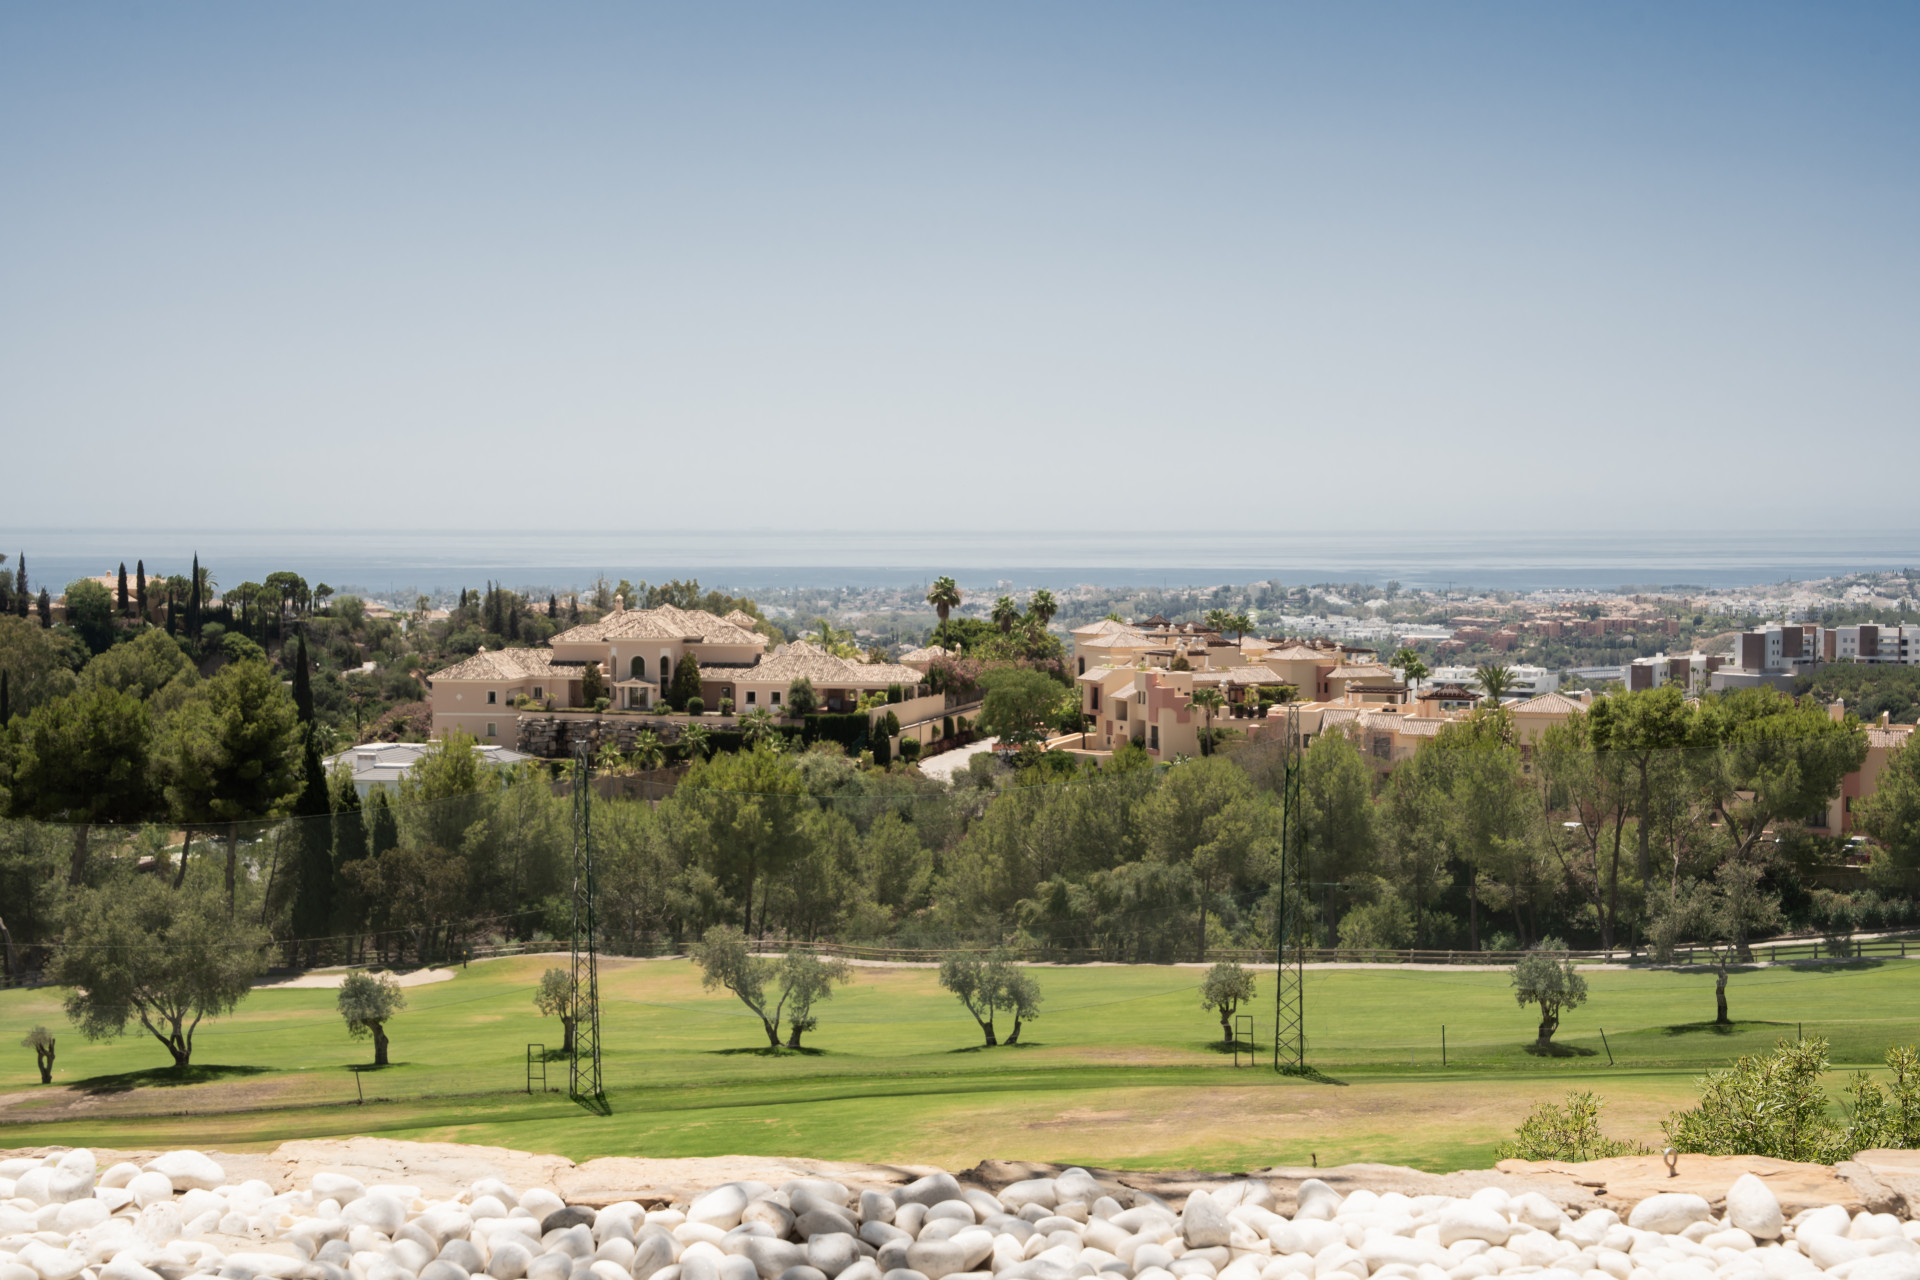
<point x="1522" y="681"/>
<point x="1793" y="647"/>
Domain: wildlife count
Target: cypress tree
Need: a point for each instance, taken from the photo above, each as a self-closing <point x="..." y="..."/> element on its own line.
<point x="46" y="609"/>
<point x="171" y="627"/>
<point x="383" y="832"/>
<point x="349" y="846"/>
<point x="123" y="599"/>
<point x="553" y="608"/>
<point x="193" y="600"/>
<point x="140" y="587"/>
<point x="574" y="610"/>
<point x="513" y="620"/>
<point x="22" y="595"/>
<point x="303" y="683"/>
<point x="313" y="895"/>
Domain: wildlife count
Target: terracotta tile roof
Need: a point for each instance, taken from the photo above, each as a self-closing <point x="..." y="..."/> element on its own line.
<point x="793" y="661"/>
<point x="1360" y="671"/>
<point x="664" y="623"/>
<point x="1105" y="627"/>
<point x="1890" y="736"/>
<point x="1547" y="704"/>
<point x="742" y="619"/>
<point x="1422" y="726"/>
<point x="1298" y="653"/>
<point x="1120" y="640"/>
<point x="1238" y="675"/>
<point x="926" y="654"/>
<point x="499" y="664"/>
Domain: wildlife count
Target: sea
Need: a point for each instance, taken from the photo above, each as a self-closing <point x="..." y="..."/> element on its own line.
<point x="397" y="564"/>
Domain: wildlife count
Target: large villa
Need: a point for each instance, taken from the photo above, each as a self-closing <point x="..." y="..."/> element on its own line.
<point x="636" y="651"/>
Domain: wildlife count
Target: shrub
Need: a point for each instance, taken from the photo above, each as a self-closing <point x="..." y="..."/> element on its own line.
<point x="910" y="749"/>
<point x="685" y="683"/>
<point x="882" y="751"/>
<point x="1569" y="1131"/>
<point x="726" y="706"/>
<point x="893" y="693"/>
<point x="890" y="725"/>
<point x="946" y="726"/>
<point x="849" y="729"/>
<point x="802" y="700"/>
<point x="1774" y="1105"/>
<point x="696" y="706"/>
<point x="602" y="703"/>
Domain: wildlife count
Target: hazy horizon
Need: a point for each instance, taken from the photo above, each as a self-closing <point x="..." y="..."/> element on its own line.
<point x="1480" y="268"/>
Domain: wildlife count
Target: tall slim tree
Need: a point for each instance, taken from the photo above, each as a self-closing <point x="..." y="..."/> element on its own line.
<point x="313" y="894"/>
<point x="1043" y="606"/>
<point x="46" y="609"/>
<point x="303" y="683"/>
<point x="122" y="600"/>
<point x="193" y="600"/>
<point x="22" y="596"/>
<point x="140" y="587"/>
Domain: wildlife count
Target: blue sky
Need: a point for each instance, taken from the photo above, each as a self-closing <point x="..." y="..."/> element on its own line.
<point x="1391" y="265"/>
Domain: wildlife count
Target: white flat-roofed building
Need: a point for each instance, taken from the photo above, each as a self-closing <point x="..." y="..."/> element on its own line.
<point x="384" y="764"/>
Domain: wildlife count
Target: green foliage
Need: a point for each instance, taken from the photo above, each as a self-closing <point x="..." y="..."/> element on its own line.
<point x="135" y="951"/>
<point x="990" y="982"/>
<point x="726" y="706"/>
<point x="1019" y="704"/>
<point x="1226" y="987"/>
<point x="850" y="729"/>
<point x="368" y="1002"/>
<point x="90" y="613"/>
<point x="910" y="749"/>
<point x="232" y="750"/>
<point x="696" y="706"/>
<point x="1868" y="689"/>
<point x="1768" y="1105"/>
<point x="802" y="700"/>
<point x="805" y="979"/>
<point x="685" y="684"/>
<point x="1566" y="1131"/>
<point x="83" y="758"/>
<point x="944" y="596"/>
<point x="593" y="685"/>
<point x="1892" y="817"/>
<point x="1552" y="984"/>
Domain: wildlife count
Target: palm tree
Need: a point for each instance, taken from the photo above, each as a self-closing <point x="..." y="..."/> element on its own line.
<point x="1496" y="678"/>
<point x="1411" y="665"/>
<point x="696" y="741"/>
<point x="1209" y="701"/>
<point x="1005" y="614"/>
<point x="1219" y="619"/>
<point x="647" y="752"/>
<point x="944" y="595"/>
<point x="1241" y="624"/>
<point x="756" y="727"/>
<point x="1043" y="606"/>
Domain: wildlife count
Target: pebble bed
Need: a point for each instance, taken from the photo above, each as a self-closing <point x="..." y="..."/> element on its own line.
<point x="64" y="1218"/>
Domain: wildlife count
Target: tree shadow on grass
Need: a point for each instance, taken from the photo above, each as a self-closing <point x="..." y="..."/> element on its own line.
<point x="1313" y="1074"/>
<point x="1838" y="965"/>
<point x="163" y="1078"/>
<point x="1226" y="1048"/>
<point x="1719" y="1028"/>
<point x="1557" y="1050"/>
<point x="767" y="1051"/>
<point x="990" y="1048"/>
<point x="361" y="1067"/>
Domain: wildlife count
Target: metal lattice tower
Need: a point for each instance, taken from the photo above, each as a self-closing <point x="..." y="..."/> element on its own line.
<point x="584" y="1077"/>
<point x="1290" y="940"/>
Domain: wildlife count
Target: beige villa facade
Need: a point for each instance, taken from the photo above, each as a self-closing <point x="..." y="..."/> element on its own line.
<point x="636" y="651"/>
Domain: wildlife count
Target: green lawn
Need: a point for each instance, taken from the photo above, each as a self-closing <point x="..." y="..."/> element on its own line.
<point x="1123" y="1068"/>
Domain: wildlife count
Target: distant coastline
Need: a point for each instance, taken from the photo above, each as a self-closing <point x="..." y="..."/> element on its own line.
<point x="393" y="561"/>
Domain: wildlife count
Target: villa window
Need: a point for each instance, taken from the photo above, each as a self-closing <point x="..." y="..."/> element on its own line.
<point x="492" y="698"/>
<point x="1120" y="709"/>
<point x="537" y="693"/>
<point x="774" y="697"/>
<point x="490" y="730"/>
<point x="1153" y="737"/>
<point x="637" y="669"/>
<point x="751" y="694"/>
<point x="1095" y="691"/>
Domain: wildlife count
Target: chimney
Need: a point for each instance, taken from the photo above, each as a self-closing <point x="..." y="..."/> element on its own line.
<point x="1886" y="718"/>
<point x="1837" y="710"/>
<point x="619" y="604"/>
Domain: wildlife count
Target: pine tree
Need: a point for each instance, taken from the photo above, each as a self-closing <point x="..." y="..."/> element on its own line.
<point x="303" y="683"/>
<point x="46" y="609"/>
<point x="193" y="600"/>
<point x="122" y="598"/>
<point x="140" y="587"/>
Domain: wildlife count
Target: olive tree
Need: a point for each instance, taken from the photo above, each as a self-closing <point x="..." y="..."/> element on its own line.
<point x="554" y="999"/>
<point x="1541" y="978"/>
<point x="368" y="1003"/>
<point x="806" y="978"/>
<point x="134" y="949"/>
<point x="1227" y="987"/>
<point x="990" y="982"/>
<point x="40" y="1040"/>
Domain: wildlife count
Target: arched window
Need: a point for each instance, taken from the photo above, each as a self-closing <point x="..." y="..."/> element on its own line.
<point x="637" y="669"/>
